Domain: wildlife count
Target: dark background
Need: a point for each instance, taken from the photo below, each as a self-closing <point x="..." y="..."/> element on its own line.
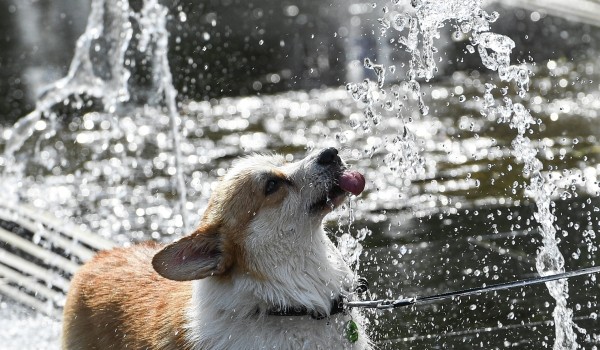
<point x="240" y="47"/>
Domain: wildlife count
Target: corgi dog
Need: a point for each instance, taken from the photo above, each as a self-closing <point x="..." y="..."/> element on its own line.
<point x="258" y="273"/>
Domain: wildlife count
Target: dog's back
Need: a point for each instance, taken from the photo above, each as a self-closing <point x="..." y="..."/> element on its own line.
<point x="118" y="301"/>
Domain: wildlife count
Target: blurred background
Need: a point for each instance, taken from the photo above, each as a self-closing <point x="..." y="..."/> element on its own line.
<point x="254" y="75"/>
<point x="233" y="48"/>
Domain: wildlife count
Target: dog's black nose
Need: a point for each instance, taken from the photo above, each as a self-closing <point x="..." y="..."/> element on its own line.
<point x="328" y="156"/>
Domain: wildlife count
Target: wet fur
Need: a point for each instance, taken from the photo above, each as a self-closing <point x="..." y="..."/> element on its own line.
<point x="252" y="252"/>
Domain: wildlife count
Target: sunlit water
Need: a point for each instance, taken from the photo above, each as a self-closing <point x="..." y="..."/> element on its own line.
<point x="463" y="219"/>
<point x="422" y="28"/>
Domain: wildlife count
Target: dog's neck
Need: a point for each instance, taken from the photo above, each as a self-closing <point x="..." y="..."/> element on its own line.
<point x="337" y="306"/>
<point x="310" y="280"/>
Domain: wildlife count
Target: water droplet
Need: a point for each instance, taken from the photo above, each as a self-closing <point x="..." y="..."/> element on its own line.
<point x="400" y="21"/>
<point x="389" y="105"/>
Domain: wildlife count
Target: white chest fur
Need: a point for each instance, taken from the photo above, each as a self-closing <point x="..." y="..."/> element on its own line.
<point x="233" y="314"/>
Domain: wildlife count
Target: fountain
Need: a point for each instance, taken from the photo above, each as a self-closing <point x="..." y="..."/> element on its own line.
<point x="120" y="156"/>
<point x="468" y="18"/>
<point x="99" y="71"/>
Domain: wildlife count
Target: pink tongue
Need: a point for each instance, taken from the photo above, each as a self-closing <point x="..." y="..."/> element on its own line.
<point x="352" y="181"/>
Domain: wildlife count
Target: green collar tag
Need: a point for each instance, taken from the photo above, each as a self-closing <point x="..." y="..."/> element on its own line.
<point x="351" y="330"/>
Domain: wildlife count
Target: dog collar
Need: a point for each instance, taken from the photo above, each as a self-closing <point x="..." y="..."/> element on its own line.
<point x="337" y="307"/>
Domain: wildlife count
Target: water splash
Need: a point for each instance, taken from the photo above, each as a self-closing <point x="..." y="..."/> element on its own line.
<point x="421" y="28"/>
<point x="418" y="31"/>
<point x="99" y="71"/>
<point x="153" y="23"/>
<point x="82" y="77"/>
<point x="549" y="259"/>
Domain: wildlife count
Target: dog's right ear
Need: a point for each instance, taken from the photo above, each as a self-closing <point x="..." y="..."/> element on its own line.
<point x="196" y="256"/>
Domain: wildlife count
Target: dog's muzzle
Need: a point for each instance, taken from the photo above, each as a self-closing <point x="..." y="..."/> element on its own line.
<point x="342" y="182"/>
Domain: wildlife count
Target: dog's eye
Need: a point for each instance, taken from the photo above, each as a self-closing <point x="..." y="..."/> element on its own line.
<point x="272" y="186"/>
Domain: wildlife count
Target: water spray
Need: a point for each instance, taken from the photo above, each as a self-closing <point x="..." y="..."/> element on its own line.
<point x="418" y="29"/>
<point x="112" y="85"/>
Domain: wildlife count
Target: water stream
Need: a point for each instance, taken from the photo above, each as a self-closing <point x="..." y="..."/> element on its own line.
<point x="422" y="27"/>
<point x="99" y="71"/>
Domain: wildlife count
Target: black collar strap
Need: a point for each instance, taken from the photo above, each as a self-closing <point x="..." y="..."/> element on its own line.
<point x="337" y="306"/>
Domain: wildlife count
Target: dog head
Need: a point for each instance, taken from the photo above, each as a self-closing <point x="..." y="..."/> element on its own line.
<point x="263" y="209"/>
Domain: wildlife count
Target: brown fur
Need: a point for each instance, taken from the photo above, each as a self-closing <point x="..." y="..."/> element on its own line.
<point x="118" y="301"/>
<point x="234" y="205"/>
<point x="121" y="302"/>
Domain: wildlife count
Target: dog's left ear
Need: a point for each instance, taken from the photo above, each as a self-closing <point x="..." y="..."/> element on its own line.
<point x="196" y="256"/>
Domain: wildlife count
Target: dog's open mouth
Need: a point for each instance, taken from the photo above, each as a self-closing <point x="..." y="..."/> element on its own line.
<point x="347" y="182"/>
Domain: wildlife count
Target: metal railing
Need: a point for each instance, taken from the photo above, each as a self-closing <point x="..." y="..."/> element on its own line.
<point x="39" y="253"/>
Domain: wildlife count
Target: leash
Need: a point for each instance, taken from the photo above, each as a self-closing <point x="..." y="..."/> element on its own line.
<point x="392" y="304"/>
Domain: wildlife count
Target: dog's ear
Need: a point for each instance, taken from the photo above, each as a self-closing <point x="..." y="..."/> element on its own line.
<point x="193" y="257"/>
